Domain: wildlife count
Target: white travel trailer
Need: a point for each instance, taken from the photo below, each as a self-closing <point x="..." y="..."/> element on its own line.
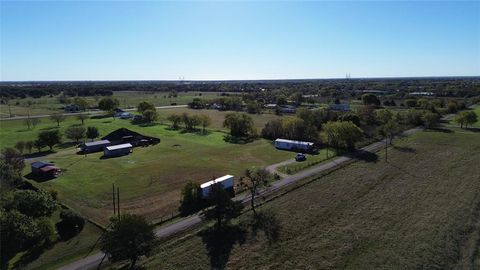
<point x="227" y="182"/>
<point x="294" y="145"/>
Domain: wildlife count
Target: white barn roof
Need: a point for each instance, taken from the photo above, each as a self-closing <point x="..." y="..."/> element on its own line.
<point x="97" y="143"/>
<point x="119" y="146"/>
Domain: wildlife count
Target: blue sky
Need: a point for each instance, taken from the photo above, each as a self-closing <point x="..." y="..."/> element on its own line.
<point x="106" y="40"/>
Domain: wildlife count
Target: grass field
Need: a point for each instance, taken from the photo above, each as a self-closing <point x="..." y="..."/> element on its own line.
<point x="127" y="99"/>
<point x="312" y="160"/>
<point x="418" y="211"/>
<point x="150" y="179"/>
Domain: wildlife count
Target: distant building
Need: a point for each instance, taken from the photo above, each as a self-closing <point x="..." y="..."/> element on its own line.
<point x="288" y="109"/>
<point x="126" y="115"/>
<point x="43" y="169"/>
<point x="422" y="94"/>
<point x="72" y="108"/>
<point x="118" y="150"/>
<point x="339" y="107"/>
<point x="95" y="146"/>
<point x="118" y="112"/>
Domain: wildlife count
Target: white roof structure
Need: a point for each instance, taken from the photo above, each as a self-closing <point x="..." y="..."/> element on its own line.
<point x="218" y="180"/>
<point x="294" y="142"/>
<point x="97" y="142"/>
<point x="119" y="146"/>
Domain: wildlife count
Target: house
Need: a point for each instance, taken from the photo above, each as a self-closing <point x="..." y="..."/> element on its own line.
<point x="288" y="109"/>
<point x="227" y="182"/>
<point x="43" y="169"/>
<point x="339" y="107"/>
<point x="72" y="108"/>
<point x="95" y="146"/>
<point x="294" y="145"/>
<point x="123" y="135"/>
<point x="118" y="112"/>
<point x="117" y="150"/>
<point x="126" y="115"/>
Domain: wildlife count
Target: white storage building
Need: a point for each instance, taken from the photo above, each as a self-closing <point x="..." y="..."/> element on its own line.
<point x="118" y="150"/>
<point x="227" y="182"/>
<point x="293" y="145"/>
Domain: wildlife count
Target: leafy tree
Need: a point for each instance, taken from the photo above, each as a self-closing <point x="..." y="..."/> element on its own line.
<point x="82" y="117"/>
<point x="383" y="115"/>
<point x="82" y="103"/>
<point x="254" y="107"/>
<point x="72" y="223"/>
<point x="466" y="118"/>
<point x="297" y="129"/>
<point x="273" y="129"/>
<point x="129" y="238"/>
<point x="16" y="231"/>
<point x="20" y="146"/>
<point x="430" y="119"/>
<point x="50" y="138"/>
<point x="9" y="177"/>
<point x="175" y="119"/>
<point x="411" y="103"/>
<point x="423" y="103"/>
<point x="370" y="99"/>
<point x="223" y="208"/>
<point x="92" y="133"/>
<point x="35" y="122"/>
<point x="367" y="114"/>
<point x="27" y="122"/>
<point x="144" y="105"/>
<point x="150" y="116"/>
<point x="254" y="180"/>
<point x="240" y="124"/>
<point x="29" y="146"/>
<point x="47" y="234"/>
<point x="33" y="203"/>
<point x="343" y="133"/>
<point x="205" y="121"/>
<point x="389" y="129"/>
<point x="13" y="158"/>
<point x="57" y="117"/>
<point x="414" y="117"/>
<point x="350" y="117"/>
<point x="191" y="200"/>
<point x="75" y="133"/>
<point x="108" y="104"/>
<point x="39" y="144"/>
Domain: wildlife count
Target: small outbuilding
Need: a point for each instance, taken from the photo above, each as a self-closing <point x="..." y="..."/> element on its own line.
<point x="294" y="145"/>
<point x="95" y="146"/>
<point x="227" y="182"/>
<point x="44" y="169"/>
<point x="118" y="150"/>
<point x="123" y="135"/>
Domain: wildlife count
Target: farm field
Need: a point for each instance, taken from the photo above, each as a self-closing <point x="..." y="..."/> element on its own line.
<point x="418" y="210"/>
<point x="150" y="179"/>
<point x="127" y="99"/>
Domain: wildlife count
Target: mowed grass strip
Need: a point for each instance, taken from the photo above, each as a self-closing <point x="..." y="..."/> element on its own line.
<point x="410" y="213"/>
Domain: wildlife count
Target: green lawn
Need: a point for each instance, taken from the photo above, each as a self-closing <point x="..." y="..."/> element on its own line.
<point x="150" y="179"/>
<point x="418" y="211"/>
<point x="312" y="160"/>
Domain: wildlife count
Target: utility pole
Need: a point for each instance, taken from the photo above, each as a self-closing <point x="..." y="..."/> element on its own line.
<point x="113" y="198"/>
<point x="118" y="202"/>
<point x="386" y="147"/>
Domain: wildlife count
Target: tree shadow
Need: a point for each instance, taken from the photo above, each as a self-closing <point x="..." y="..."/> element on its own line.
<point x="38" y="179"/>
<point x="32" y="254"/>
<point x="237" y="140"/>
<point x="49" y="128"/>
<point x="38" y="154"/>
<point x="268" y="223"/>
<point x="405" y="149"/>
<point x="67" y="145"/>
<point x="220" y="241"/>
<point x="100" y="116"/>
<point x="440" y="129"/>
<point x="473" y="129"/>
<point x="363" y="155"/>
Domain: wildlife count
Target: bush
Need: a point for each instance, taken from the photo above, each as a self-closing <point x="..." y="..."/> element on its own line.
<point x="72" y="223"/>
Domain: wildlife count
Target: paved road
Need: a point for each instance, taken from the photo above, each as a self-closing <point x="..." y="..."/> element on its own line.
<point x="88" y="112"/>
<point x="184" y="224"/>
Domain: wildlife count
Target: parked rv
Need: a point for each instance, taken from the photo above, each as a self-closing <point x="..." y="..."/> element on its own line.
<point x="299" y="146"/>
<point x="118" y="150"/>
